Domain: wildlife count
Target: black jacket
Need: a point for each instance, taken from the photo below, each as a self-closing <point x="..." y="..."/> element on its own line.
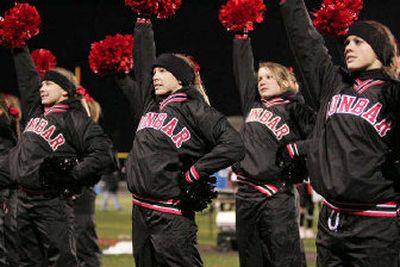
<point x="64" y="130"/>
<point x="7" y="141"/>
<point x="355" y="128"/>
<point x="175" y="132"/>
<point x="269" y="123"/>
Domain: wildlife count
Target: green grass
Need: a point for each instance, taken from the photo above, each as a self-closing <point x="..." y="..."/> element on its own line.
<point x="116" y="225"/>
<point x="212" y="260"/>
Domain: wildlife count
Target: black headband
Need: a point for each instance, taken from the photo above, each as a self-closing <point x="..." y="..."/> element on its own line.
<point x="61" y="80"/>
<point x="379" y="42"/>
<point x="178" y="67"/>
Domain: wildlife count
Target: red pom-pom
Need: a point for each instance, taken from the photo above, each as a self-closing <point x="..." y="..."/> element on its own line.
<point x="19" y="24"/>
<point x="336" y="16"/>
<point x="44" y="60"/>
<point x="112" y="55"/>
<point x="240" y="15"/>
<point x="160" y="8"/>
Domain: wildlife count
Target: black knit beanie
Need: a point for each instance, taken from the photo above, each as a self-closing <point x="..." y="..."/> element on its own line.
<point x="61" y="80"/>
<point x="177" y="66"/>
<point x="379" y="42"/>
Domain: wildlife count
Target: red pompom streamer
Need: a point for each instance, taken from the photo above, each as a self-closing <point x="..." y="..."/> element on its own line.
<point x="336" y="16"/>
<point x="19" y="24"/>
<point x="112" y="55"/>
<point x="84" y="93"/>
<point x="196" y="65"/>
<point x="160" y="8"/>
<point x="44" y="60"/>
<point x="240" y="15"/>
<point x="14" y="112"/>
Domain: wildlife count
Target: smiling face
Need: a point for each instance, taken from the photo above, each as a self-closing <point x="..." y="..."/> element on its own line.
<point x="359" y="55"/>
<point x="164" y="82"/>
<point x="51" y="93"/>
<point x="267" y="84"/>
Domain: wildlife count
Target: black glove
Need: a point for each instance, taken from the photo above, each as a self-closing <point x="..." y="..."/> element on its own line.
<point x="293" y="166"/>
<point x="197" y="194"/>
<point x="56" y="172"/>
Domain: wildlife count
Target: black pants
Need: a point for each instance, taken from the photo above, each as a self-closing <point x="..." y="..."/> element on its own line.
<point x="12" y="240"/>
<point x="357" y="241"/>
<point x="46" y="228"/>
<point x="307" y="216"/>
<point x="3" y="249"/>
<point x="267" y="229"/>
<point x="162" y="239"/>
<point x="88" y="251"/>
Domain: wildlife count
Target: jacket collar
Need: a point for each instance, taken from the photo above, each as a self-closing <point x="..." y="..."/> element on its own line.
<point x="274" y="101"/>
<point x="64" y="106"/>
<point x="181" y="95"/>
<point x="376" y="74"/>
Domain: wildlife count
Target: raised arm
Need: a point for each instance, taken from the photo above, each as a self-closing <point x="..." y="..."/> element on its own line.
<point x="243" y="67"/>
<point x="131" y="90"/>
<point x="138" y="90"/>
<point x="144" y="55"/>
<point x="312" y="57"/>
<point x="28" y="81"/>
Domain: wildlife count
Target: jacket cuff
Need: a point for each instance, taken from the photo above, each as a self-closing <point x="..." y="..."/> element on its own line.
<point x="298" y="149"/>
<point x="292" y="150"/>
<point x="192" y="175"/>
<point x="143" y="20"/>
<point x="242" y="35"/>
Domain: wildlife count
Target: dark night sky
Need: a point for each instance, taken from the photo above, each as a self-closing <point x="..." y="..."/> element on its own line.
<point x="70" y="26"/>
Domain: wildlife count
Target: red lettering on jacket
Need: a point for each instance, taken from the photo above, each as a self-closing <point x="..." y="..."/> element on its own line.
<point x="273" y="122"/>
<point x="147" y="120"/>
<point x="270" y="120"/>
<point x="169" y="128"/>
<point x="41" y="125"/>
<point x="345" y="104"/>
<point x="159" y="121"/>
<point x="48" y="132"/>
<point x="383" y="127"/>
<point x="254" y="114"/>
<point x="181" y="137"/>
<point x="38" y="126"/>
<point x="32" y="124"/>
<point x="266" y="115"/>
<point x="283" y="130"/>
<point x="333" y="105"/>
<point x="371" y="114"/>
<point x="57" y="141"/>
<point x="358" y="108"/>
